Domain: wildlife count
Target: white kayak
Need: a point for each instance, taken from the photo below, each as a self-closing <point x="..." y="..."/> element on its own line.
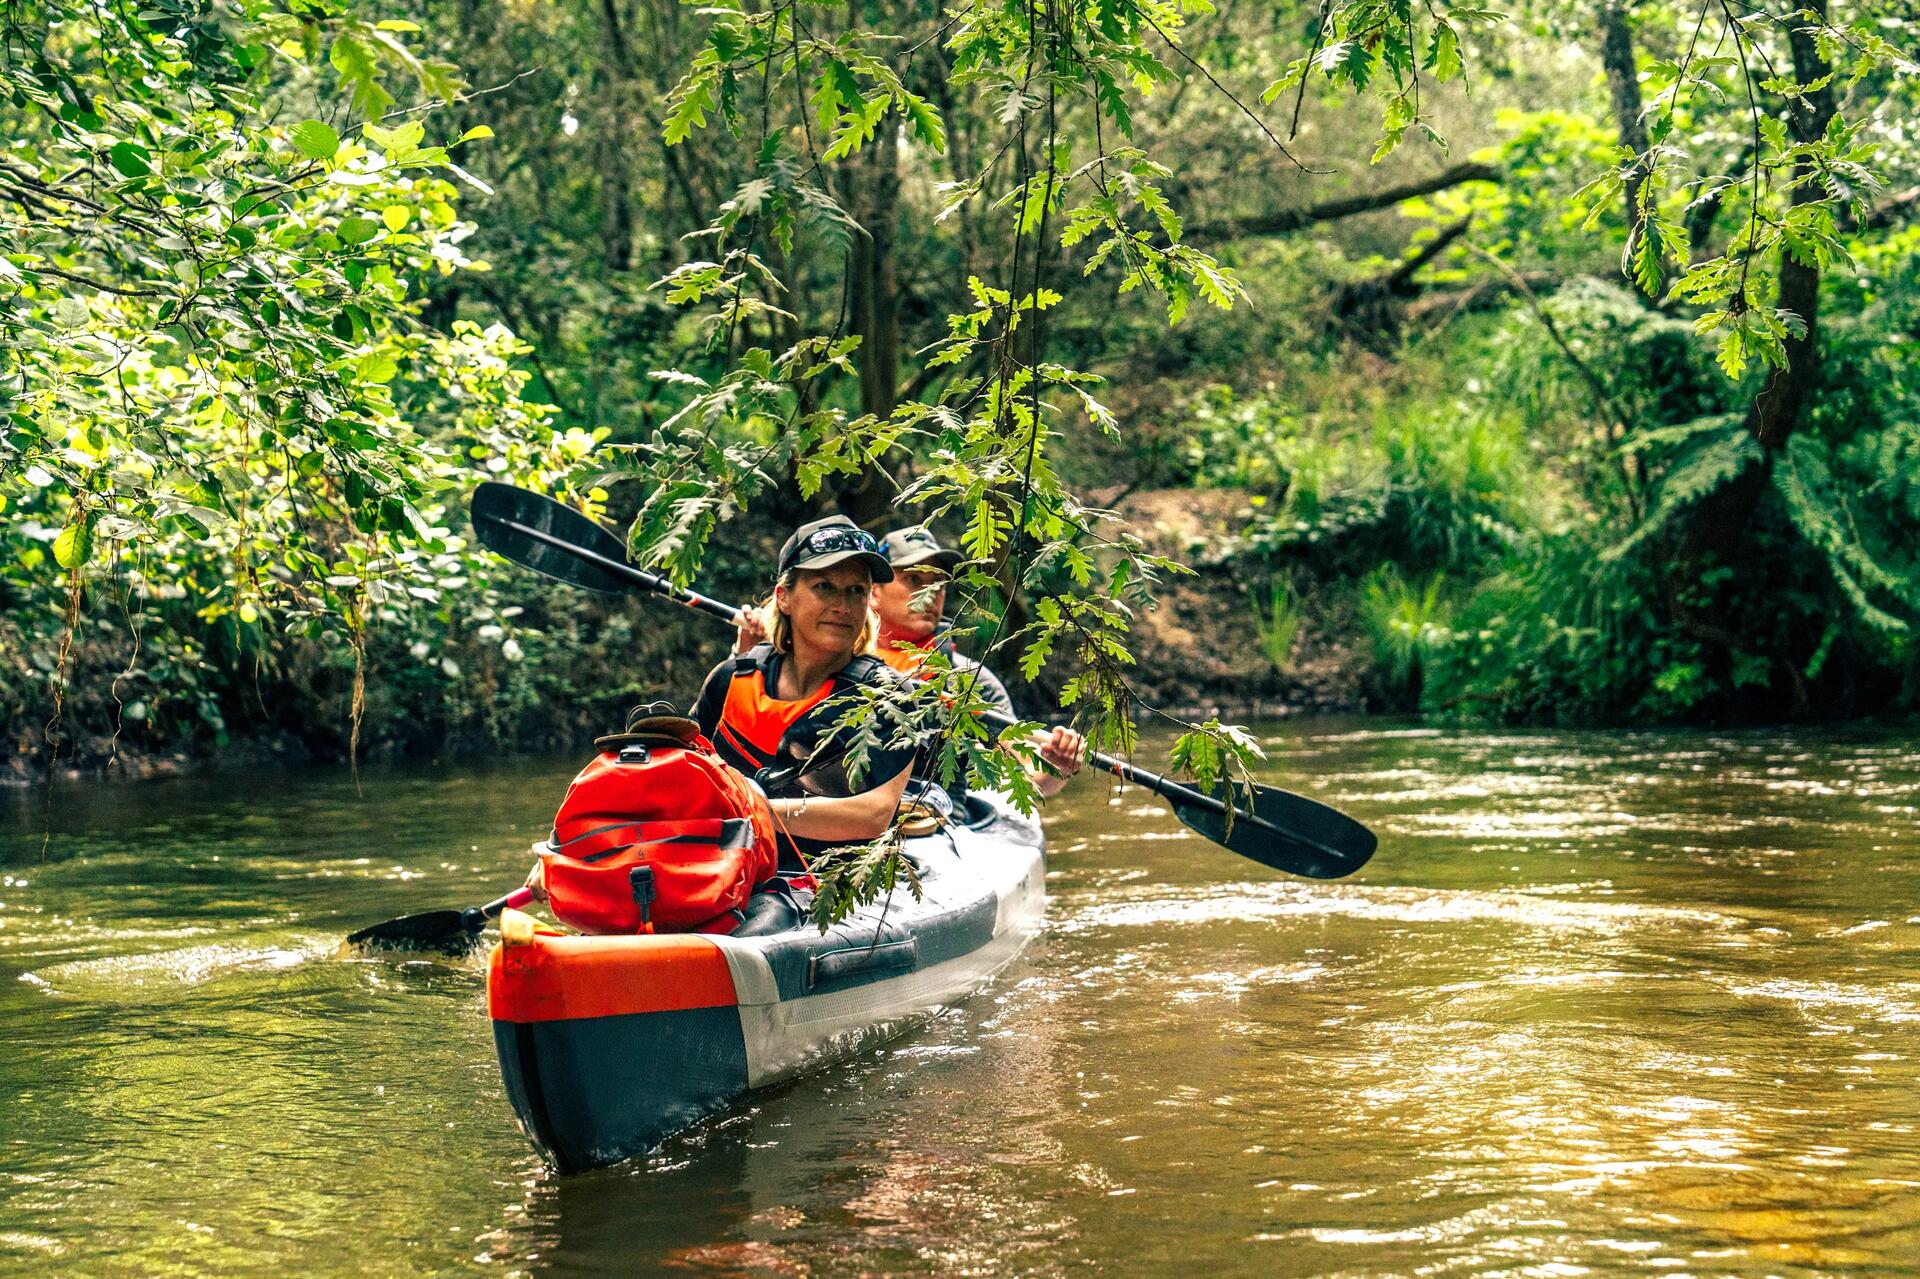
<point x="610" y="1044"/>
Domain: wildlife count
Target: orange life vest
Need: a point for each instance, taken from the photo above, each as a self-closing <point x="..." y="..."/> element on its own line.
<point x="753" y="721"/>
<point x="908" y="661"/>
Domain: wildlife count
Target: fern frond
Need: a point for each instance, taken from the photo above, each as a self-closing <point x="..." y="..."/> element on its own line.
<point x="1677" y="433"/>
<point x="1894" y="456"/>
<point x="1807" y="490"/>
<point x="1716" y="459"/>
<point x="1877" y="618"/>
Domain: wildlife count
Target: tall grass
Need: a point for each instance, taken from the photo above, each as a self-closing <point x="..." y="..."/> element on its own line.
<point x="1278" y="618"/>
<point x="1405" y="622"/>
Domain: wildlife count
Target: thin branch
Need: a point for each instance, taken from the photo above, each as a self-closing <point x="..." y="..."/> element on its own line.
<point x="102" y="285"/>
<point x="459" y="98"/>
<point x="1306" y="68"/>
<point x="1229" y="95"/>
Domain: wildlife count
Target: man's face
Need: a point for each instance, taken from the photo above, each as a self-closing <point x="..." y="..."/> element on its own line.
<point x="910" y="605"/>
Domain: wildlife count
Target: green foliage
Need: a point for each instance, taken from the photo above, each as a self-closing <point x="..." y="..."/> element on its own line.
<point x="1404" y="622"/>
<point x="983" y="441"/>
<point x="859" y="875"/>
<point x="243" y="403"/>
<point x="1807" y="170"/>
<point x="1525" y="218"/>
<point x="1447" y="485"/>
<point x="1700" y="458"/>
<point x="1569" y="632"/>
<point x="1237" y="441"/>
<point x="1385" y="46"/>
<point x="1550" y="639"/>
<point x="1821" y="513"/>
<point x="1212" y="752"/>
<point x="216" y="392"/>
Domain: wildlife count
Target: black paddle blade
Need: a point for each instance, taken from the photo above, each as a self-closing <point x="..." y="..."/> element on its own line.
<point x="496" y="507"/>
<point x="1288" y="832"/>
<point x="445" y="931"/>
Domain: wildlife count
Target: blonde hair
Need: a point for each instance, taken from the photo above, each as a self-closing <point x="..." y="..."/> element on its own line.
<point x="780" y="629"/>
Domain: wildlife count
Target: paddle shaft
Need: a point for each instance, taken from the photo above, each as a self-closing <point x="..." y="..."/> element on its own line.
<point x="1126" y="772"/>
<point x="646" y="581"/>
<point x="474" y="916"/>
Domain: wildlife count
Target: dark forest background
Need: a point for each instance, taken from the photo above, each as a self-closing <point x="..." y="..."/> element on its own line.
<point x="1454" y="455"/>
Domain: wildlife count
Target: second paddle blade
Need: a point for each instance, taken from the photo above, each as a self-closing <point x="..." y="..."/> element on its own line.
<point x="444" y="931"/>
<point x="1307" y="838"/>
<point x="497" y="508"/>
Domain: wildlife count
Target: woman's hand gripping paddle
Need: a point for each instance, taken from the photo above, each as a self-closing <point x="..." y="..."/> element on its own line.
<point x="1274" y="827"/>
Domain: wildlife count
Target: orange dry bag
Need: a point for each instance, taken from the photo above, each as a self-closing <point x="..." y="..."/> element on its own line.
<point x="657" y="834"/>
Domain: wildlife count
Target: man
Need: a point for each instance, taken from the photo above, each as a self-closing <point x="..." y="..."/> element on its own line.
<point x="910" y="607"/>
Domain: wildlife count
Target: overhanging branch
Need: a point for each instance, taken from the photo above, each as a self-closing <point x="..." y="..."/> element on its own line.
<point x="1282" y="221"/>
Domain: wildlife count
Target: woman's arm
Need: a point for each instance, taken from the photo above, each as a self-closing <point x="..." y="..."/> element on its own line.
<point x="846" y="819"/>
<point x="713" y="697"/>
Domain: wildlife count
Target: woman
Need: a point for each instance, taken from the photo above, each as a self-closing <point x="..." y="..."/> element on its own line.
<point x="796" y="660"/>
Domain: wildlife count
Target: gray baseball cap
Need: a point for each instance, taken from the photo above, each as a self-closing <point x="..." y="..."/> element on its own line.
<point x="905" y="547"/>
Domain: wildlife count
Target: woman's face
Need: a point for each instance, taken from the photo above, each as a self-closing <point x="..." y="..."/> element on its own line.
<point x="827" y="608"/>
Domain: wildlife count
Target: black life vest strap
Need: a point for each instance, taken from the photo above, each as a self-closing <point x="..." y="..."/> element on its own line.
<point x="867" y="669"/>
<point x="861" y="668"/>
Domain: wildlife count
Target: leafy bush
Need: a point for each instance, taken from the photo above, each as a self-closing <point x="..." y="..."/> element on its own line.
<point x="1525" y="218"/>
<point x="231" y="455"/>
<point x="1578" y="629"/>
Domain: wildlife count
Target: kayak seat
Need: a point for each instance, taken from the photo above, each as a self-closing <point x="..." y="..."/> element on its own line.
<point x="775" y="907"/>
<point x="975" y="812"/>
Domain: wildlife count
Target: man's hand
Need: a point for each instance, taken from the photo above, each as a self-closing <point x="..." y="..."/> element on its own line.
<point x="1063" y="751"/>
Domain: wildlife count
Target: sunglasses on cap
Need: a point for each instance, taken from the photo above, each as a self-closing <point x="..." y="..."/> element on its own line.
<point x="826" y="541"/>
<point x="835" y="539"/>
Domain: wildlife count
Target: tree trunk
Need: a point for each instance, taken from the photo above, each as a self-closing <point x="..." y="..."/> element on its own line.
<point x="1623" y="82"/>
<point x="1371" y="309"/>
<point x="616" y="179"/>
<point x="1776" y="410"/>
<point x="1719" y="526"/>
<point x="873" y="309"/>
<point x="873" y="292"/>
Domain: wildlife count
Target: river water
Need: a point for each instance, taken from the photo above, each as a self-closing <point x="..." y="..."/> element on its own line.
<point x="1606" y="1004"/>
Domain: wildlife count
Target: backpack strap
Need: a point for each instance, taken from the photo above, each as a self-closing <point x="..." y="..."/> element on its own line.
<point x="754" y="659"/>
<point x="558" y="847"/>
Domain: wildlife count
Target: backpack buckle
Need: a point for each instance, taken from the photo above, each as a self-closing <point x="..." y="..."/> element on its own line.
<point x="641" y="878"/>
